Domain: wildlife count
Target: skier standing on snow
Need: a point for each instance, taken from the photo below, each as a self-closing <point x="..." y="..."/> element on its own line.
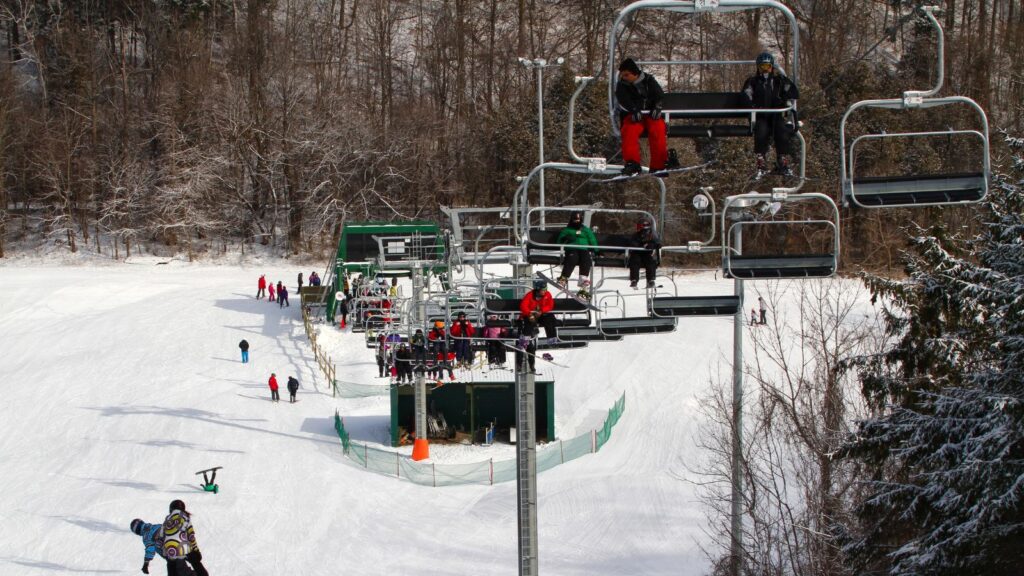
<point x="753" y="317"/>
<point x="244" y="347"/>
<point x="293" y="388"/>
<point x="382" y="356"/>
<point x="770" y="88"/>
<point x="152" y="538"/>
<point x="648" y="240"/>
<point x="180" y="542"/>
<point x="280" y="288"/>
<point x="271" y="297"/>
<point x="343" y="309"/>
<point x="764" y="309"/>
<point x="578" y="240"/>
<point x="282" y="297"/>
<point x="300" y="282"/>
<point x="261" y="286"/>
<point x="274" y="396"/>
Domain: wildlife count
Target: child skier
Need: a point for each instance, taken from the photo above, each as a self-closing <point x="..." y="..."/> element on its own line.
<point x="462" y="331"/>
<point x="152" y="538"/>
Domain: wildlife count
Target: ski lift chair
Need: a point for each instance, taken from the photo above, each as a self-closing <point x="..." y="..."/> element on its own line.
<point x="916" y="189"/>
<point x="703" y="112"/>
<point x="612" y="250"/>
<point x="778" y="265"/>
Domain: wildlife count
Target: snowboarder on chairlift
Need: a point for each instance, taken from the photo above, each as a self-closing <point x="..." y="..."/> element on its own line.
<point x="770" y="88"/>
<point x="578" y="240"/>
<point x="152" y="538"/>
<point x="647" y="240"/>
<point x="639" y="97"/>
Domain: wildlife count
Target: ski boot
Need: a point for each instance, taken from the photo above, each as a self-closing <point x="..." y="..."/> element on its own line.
<point x="651" y="285"/>
<point x="523" y="342"/>
<point x="673" y="160"/>
<point x="631" y="169"/>
<point x="782" y="167"/>
<point x="761" y="169"/>
<point x="633" y="284"/>
<point x="563" y="281"/>
<point x="584" y="288"/>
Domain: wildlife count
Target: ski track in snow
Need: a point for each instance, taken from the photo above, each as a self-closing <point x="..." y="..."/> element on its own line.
<point x="121" y="382"/>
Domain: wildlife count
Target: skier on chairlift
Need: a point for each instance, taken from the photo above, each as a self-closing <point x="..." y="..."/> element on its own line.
<point x="648" y="244"/>
<point x="578" y="240"/>
<point x="770" y="88"/>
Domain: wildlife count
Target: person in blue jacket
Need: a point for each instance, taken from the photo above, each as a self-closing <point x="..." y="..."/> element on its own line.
<point x="152" y="539"/>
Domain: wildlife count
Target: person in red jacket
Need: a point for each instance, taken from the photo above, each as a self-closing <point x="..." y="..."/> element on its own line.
<point x="274" y="396"/>
<point x="262" y="286"/>
<point x="462" y="331"/>
<point x="535" y="310"/>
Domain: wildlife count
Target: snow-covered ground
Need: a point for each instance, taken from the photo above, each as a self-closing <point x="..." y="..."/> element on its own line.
<point x="121" y="381"/>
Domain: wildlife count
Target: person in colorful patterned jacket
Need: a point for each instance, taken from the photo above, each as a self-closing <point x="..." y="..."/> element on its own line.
<point x="152" y="538"/>
<point x="180" y="542"/>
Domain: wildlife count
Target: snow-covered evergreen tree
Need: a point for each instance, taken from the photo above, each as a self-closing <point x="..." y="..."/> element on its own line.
<point x="943" y="489"/>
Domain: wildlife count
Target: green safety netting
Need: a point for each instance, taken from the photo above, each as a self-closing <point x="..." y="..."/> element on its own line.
<point x="356" y="390"/>
<point x="550" y="455"/>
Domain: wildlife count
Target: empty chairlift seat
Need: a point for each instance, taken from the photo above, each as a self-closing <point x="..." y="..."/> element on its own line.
<point x="585" y="334"/>
<point x="669" y="306"/>
<point x="911" y="190"/>
<point x="636" y="325"/>
<point x="710" y="108"/>
<point x="780" y="266"/>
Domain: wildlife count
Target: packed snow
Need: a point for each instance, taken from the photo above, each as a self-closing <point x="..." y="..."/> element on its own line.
<point x="123" y="381"/>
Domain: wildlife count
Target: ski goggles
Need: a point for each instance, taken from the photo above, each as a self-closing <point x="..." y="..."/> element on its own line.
<point x="765" y="67"/>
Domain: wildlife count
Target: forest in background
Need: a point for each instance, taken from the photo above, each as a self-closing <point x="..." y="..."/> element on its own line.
<point x="141" y="125"/>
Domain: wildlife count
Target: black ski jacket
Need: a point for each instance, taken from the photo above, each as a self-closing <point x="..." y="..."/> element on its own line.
<point x="644" y="94"/>
<point x="293" y="384"/>
<point x="769" y="91"/>
<point x="243" y="345"/>
<point x="648" y="240"/>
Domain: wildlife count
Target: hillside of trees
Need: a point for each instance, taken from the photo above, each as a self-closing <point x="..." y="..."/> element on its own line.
<point x="189" y="125"/>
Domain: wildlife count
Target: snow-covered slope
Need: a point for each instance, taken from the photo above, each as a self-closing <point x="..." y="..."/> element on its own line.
<point x="121" y="381"/>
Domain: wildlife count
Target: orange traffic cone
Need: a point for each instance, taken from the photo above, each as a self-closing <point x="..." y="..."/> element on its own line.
<point x="420" y="449"/>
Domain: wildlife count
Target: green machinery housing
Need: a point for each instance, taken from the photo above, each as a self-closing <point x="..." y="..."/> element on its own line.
<point x="358" y="249"/>
<point x="470" y="406"/>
